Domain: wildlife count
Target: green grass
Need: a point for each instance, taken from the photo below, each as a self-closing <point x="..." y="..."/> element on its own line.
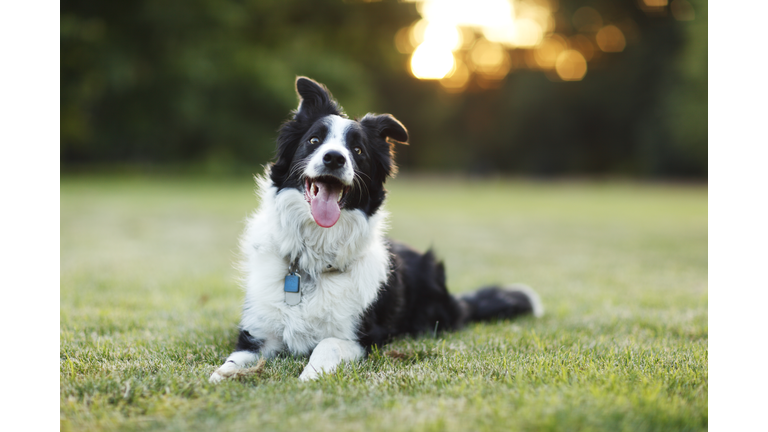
<point x="150" y="304"/>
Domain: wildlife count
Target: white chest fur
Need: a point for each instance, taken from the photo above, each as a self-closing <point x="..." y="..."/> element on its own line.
<point x="332" y="301"/>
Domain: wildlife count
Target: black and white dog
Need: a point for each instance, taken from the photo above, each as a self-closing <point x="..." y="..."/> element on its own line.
<point x="320" y="276"/>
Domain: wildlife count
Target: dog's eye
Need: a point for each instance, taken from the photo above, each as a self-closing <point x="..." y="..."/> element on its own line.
<point x="358" y="150"/>
<point x="314" y="140"/>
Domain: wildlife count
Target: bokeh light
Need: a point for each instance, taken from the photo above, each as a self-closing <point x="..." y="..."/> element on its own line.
<point x="546" y="54"/>
<point x="494" y="18"/>
<point x="571" y="65"/>
<point x="489" y="59"/>
<point x="463" y="41"/>
<point x="417" y="31"/>
<point x="458" y="80"/>
<point x="403" y="41"/>
<point x="431" y="61"/>
<point x="654" y="7"/>
<point x="611" y="39"/>
<point x="442" y="34"/>
<point x="529" y="33"/>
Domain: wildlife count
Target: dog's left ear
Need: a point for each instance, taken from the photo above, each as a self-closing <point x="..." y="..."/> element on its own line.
<point x="385" y="126"/>
<point x="315" y="100"/>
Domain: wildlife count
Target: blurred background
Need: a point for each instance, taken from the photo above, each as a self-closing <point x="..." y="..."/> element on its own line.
<point x="540" y="88"/>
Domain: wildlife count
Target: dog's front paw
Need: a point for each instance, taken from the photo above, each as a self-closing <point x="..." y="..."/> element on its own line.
<point x="215" y="378"/>
<point x="309" y="374"/>
<point x="225" y="371"/>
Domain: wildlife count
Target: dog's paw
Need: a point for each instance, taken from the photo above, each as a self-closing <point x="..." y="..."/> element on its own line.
<point x="215" y="378"/>
<point x="309" y="374"/>
<point x="225" y="371"/>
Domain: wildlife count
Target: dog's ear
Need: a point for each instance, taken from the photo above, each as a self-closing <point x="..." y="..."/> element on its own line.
<point x="383" y="131"/>
<point x="314" y="100"/>
<point x="385" y="126"/>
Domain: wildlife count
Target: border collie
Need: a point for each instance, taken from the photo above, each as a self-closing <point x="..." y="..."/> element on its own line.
<point x="320" y="276"/>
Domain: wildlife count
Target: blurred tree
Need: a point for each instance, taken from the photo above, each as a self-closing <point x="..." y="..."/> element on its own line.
<point x="685" y="103"/>
<point x="210" y="80"/>
<point x="198" y="79"/>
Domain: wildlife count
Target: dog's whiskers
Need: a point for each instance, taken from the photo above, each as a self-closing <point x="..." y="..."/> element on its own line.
<point x="357" y="179"/>
<point x="299" y="168"/>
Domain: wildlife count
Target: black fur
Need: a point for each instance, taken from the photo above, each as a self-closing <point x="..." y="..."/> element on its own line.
<point x="246" y="342"/>
<point x="414" y="299"/>
<point x="491" y="303"/>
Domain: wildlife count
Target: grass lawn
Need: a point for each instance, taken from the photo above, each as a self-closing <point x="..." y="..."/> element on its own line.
<point x="150" y="305"/>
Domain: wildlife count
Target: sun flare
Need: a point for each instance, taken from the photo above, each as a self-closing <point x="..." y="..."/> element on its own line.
<point x="491" y="38"/>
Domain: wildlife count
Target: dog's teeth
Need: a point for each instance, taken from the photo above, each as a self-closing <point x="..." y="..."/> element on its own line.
<point x="341" y="195"/>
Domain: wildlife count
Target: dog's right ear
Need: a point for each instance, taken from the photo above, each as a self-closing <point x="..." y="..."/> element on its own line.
<point x="314" y="100"/>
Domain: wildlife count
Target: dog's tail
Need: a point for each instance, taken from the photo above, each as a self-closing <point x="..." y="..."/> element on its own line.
<point x="500" y="302"/>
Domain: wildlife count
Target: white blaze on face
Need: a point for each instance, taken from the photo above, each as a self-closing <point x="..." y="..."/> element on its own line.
<point x="324" y="194"/>
<point x="335" y="140"/>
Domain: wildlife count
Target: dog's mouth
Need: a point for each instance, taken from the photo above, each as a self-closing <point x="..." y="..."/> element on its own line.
<point x="326" y="196"/>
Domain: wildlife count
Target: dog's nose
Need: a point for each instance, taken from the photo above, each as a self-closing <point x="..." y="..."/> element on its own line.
<point x="334" y="159"/>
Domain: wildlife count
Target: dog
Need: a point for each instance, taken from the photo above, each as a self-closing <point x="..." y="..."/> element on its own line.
<point x="320" y="276"/>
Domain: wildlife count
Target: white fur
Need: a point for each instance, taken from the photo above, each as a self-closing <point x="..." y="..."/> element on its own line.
<point x="235" y="361"/>
<point x="333" y="141"/>
<point x="328" y="354"/>
<point x="242" y="358"/>
<point x="342" y="269"/>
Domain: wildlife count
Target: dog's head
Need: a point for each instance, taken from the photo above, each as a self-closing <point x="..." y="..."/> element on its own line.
<point x="338" y="164"/>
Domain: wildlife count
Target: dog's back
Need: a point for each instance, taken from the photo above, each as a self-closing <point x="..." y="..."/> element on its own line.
<point x="415" y="300"/>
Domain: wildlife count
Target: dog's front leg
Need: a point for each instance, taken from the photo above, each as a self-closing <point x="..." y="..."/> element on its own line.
<point x="249" y="348"/>
<point x="328" y="354"/>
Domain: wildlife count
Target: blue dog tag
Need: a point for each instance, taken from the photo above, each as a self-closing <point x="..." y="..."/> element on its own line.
<point x="292" y="289"/>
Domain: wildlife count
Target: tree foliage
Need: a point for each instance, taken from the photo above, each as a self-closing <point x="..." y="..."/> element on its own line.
<point x="195" y="80"/>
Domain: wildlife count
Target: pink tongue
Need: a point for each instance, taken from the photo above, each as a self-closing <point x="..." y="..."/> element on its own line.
<point x="325" y="207"/>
